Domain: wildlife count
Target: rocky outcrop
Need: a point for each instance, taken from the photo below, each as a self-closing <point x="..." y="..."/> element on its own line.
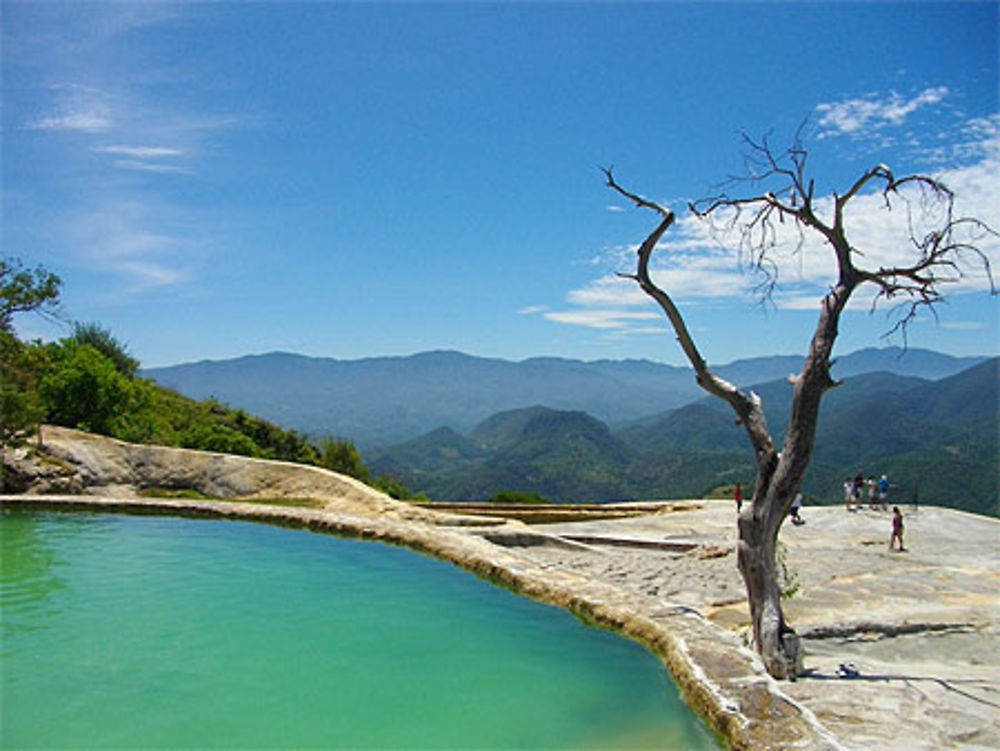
<point x="72" y="461"/>
<point x="27" y="470"/>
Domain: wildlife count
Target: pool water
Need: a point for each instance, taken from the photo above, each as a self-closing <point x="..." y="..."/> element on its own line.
<point x="158" y="632"/>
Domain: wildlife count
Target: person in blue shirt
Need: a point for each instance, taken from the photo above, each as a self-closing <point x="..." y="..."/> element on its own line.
<point x="883" y="491"/>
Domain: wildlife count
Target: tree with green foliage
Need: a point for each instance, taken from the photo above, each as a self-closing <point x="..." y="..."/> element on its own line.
<point x="342" y="456"/>
<point x="104" y="342"/>
<point x="21" y="409"/>
<point x="21" y="291"/>
<point x="83" y="389"/>
<point x="395" y="488"/>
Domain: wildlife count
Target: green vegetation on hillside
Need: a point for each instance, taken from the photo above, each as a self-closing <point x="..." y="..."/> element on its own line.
<point x="936" y="440"/>
<point x="516" y="496"/>
<point x="21" y="291"/>
<point x="89" y="381"/>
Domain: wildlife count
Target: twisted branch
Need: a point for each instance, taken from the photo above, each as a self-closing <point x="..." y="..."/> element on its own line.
<point x="746" y="405"/>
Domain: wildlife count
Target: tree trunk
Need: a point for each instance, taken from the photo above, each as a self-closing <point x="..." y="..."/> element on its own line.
<point x="779" y="477"/>
<point x="773" y="639"/>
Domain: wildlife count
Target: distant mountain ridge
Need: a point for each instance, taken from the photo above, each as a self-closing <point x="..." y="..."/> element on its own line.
<point x="386" y="400"/>
<point x="937" y="440"/>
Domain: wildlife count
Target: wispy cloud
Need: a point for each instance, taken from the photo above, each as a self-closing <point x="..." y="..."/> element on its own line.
<point x="601" y="319"/>
<point x="87" y="122"/>
<point x="132" y="129"/>
<point x="144" y="275"/>
<point x="142" y="243"/>
<point x="156" y="167"/>
<point x="532" y="310"/>
<point x="75" y="107"/>
<point x="155" y="159"/>
<point x="138" y="152"/>
<point x="863" y="115"/>
<point x="963" y="325"/>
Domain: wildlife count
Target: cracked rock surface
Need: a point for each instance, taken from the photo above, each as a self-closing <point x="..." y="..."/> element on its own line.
<point x="921" y="628"/>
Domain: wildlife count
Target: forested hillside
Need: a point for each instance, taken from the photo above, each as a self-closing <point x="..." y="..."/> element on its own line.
<point x="936" y="440"/>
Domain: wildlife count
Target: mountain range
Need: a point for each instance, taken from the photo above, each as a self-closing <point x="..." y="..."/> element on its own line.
<point x="376" y="402"/>
<point x="936" y="439"/>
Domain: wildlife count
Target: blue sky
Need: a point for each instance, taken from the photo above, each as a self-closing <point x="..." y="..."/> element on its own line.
<point x="351" y="180"/>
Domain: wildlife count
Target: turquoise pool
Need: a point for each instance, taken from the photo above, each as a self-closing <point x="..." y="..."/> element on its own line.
<point x="143" y="632"/>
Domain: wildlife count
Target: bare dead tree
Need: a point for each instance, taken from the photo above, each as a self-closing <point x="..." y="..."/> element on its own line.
<point x="938" y="257"/>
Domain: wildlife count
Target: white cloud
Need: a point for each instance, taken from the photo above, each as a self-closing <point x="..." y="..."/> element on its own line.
<point x="963" y="325"/>
<point x="601" y="319"/>
<point x="898" y="109"/>
<point x="532" y="310"/>
<point x="138" y="152"/>
<point x="143" y="275"/>
<point x="626" y="332"/>
<point x="697" y="261"/>
<point x="138" y="165"/>
<point x="143" y="243"/>
<point x="608" y="290"/>
<point x="872" y="112"/>
<point x="75" y="108"/>
<point x="88" y="122"/>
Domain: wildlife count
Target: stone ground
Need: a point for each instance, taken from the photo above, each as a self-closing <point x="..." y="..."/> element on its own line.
<point x="920" y="630"/>
<point x="921" y="627"/>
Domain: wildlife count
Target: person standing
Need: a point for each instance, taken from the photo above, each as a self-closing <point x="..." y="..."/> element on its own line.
<point x="897" y="529"/>
<point x="883" y="491"/>
<point x="738" y="497"/>
<point x="796" y="505"/>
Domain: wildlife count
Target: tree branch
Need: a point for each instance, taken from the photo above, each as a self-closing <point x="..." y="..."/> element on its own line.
<point x="746" y="405"/>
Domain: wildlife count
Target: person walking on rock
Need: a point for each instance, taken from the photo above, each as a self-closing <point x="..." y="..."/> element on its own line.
<point x="738" y="497"/>
<point x="897" y="529"/>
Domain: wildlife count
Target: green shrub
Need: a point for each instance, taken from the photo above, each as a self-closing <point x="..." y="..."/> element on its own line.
<point x="517" y="496"/>
<point x="83" y="389"/>
<point x="102" y="340"/>
<point x="342" y="456"/>
<point x="395" y="489"/>
<point x="21" y="408"/>
<point x="218" y="438"/>
<point x="187" y="494"/>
